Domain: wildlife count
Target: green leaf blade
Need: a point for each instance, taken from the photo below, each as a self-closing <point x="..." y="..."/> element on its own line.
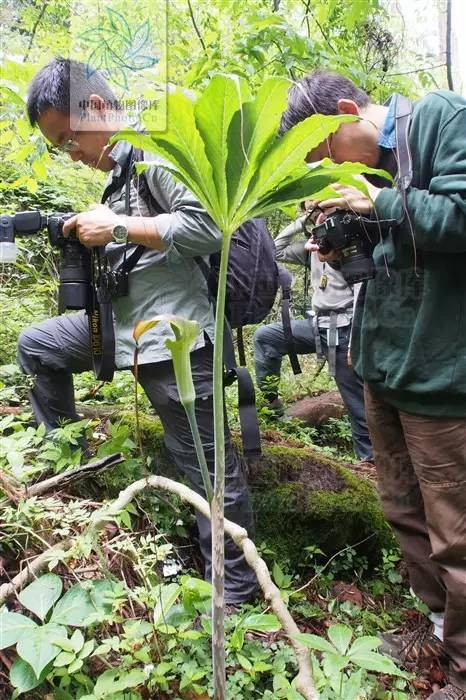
<point x="12" y="627"/>
<point x="372" y="661"/>
<point x="23" y="678"/>
<point x="251" y="134"/>
<point x="290" y="152"/>
<point x="340" y="636"/>
<point x="312" y="641"/>
<point x="213" y="113"/>
<point x="38" y="649"/>
<point x="41" y="594"/>
<point x="166" y="596"/>
<point x="74" y="608"/>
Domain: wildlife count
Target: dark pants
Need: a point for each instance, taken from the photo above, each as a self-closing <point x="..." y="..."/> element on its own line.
<point x="269" y="349"/>
<point x="54" y="350"/>
<point x="421" y="468"/>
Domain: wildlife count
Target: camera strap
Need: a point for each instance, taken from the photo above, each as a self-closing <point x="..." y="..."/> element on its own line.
<point x="100" y="317"/>
<point x="101" y="330"/>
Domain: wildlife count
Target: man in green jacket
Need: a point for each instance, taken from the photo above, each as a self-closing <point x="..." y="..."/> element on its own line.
<point x="409" y="341"/>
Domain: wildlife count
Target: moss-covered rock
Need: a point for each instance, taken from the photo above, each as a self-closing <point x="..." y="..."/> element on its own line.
<point x="303" y="498"/>
<point x="300" y="497"/>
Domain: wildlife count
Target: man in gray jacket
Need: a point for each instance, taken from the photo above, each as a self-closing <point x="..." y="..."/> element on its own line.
<point x="165" y="280"/>
<point x="326" y="330"/>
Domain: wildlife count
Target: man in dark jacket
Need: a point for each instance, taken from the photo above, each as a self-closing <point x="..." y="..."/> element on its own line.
<point x="409" y="342"/>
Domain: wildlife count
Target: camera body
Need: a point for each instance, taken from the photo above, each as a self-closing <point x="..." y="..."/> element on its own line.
<point x="77" y="286"/>
<point x="75" y="289"/>
<point x="353" y="237"/>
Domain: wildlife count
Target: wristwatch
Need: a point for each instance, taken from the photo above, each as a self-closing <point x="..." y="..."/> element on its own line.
<point x="120" y="234"/>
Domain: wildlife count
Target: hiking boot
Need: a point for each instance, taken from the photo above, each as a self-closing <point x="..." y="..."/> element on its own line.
<point x="450" y="692"/>
<point x="412" y="648"/>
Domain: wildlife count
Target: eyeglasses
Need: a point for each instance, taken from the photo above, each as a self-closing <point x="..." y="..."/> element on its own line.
<point x="70" y="145"/>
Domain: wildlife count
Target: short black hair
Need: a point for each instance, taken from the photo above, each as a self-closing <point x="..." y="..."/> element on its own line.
<point x="66" y="85"/>
<point x="318" y="93"/>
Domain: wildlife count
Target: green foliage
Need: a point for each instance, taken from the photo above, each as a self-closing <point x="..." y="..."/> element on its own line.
<point x="38" y="645"/>
<point x="340" y="675"/>
<point x="225" y="148"/>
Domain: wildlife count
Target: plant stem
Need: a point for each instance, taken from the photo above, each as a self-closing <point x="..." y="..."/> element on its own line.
<point x="217" y="507"/>
<point x="136" y="401"/>
<point x="190" y="412"/>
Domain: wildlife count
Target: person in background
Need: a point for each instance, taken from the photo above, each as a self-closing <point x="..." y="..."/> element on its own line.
<point x="326" y="331"/>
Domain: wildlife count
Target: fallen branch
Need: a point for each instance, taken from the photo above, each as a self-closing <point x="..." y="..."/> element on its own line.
<point x="86" y="410"/>
<point x="15" y="491"/>
<point x="303" y="682"/>
<point x="59" y="481"/>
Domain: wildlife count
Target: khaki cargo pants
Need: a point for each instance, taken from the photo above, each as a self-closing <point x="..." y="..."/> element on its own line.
<point x="421" y="468"/>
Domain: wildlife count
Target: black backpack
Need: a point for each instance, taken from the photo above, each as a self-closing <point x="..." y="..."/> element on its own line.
<point x="253" y="276"/>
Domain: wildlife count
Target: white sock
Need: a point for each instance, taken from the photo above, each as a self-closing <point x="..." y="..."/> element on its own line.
<point x="438" y="620"/>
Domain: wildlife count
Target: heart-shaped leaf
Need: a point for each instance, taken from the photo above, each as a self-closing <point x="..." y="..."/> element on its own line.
<point x="23" y="678"/>
<point x="74" y="608"/>
<point x="12" y="627"/>
<point x="41" y="594"/>
<point x="37" y="647"/>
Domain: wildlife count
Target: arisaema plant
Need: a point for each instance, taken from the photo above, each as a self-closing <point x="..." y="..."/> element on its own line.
<point x="225" y="147"/>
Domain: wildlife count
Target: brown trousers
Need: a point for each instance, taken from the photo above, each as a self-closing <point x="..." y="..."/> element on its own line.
<point x="421" y="469"/>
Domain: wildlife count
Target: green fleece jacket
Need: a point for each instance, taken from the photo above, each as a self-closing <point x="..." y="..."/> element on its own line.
<point x="409" y="335"/>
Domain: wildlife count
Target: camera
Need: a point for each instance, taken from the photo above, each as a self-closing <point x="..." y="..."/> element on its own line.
<point x="353" y="236"/>
<point x="77" y="286"/>
<point x="75" y="289"/>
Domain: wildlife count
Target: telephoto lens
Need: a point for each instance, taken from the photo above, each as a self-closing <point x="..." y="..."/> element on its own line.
<point x="75" y="290"/>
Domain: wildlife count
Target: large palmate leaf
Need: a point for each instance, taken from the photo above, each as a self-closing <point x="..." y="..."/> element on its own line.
<point x="225" y="147"/>
<point x="213" y="114"/>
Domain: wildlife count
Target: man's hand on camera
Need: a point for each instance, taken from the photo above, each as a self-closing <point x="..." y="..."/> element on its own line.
<point x="352" y="198"/>
<point x="94" y="227"/>
<point x="313" y="247"/>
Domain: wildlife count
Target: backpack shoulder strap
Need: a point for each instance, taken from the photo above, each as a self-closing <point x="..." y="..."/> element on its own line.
<point x="143" y="190"/>
<point x="403" y="110"/>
